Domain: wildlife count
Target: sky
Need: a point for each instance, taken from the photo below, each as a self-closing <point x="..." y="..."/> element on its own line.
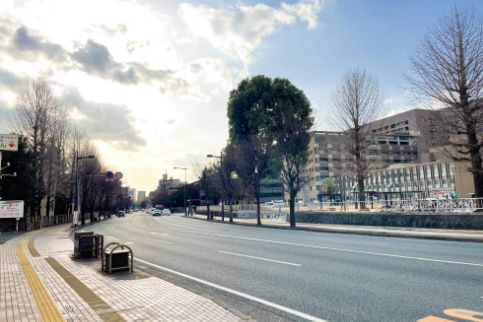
<point x="148" y="81"/>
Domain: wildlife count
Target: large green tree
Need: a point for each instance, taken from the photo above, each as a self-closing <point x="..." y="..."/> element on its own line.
<point x="249" y="109"/>
<point x="291" y="121"/>
<point x="269" y="123"/>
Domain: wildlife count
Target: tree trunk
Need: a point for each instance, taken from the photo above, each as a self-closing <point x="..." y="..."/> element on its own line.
<point x="222" y="210"/>
<point x="92" y="214"/>
<point x="231" y="210"/>
<point x="362" y="193"/>
<point x="207" y="211"/>
<point x="47" y="207"/>
<point x="292" y="209"/>
<point x="477" y="170"/>
<point x="259" y="222"/>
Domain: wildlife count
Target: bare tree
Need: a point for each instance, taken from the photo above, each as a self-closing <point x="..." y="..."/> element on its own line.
<point x="448" y="69"/>
<point x="32" y="120"/>
<point x="56" y="163"/>
<point x="357" y="102"/>
<point x="208" y="180"/>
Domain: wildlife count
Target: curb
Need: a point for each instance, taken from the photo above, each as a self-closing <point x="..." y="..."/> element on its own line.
<point x="418" y="235"/>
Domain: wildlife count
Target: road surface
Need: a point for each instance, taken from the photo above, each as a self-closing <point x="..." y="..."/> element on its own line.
<point x="326" y="276"/>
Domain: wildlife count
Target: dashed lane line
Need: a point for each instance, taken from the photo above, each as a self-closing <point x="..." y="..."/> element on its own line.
<point x="346" y="250"/>
<point x="259" y="258"/>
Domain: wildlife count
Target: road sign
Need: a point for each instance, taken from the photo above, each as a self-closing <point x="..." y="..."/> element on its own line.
<point x="109" y="175"/>
<point x="8" y="142"/>
<point x="11" y="208"/>
<point x="118" y="175"/>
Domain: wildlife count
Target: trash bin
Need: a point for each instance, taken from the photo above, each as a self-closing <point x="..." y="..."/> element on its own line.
<point x="87" y="245"/>
<point x="117" y="257"/>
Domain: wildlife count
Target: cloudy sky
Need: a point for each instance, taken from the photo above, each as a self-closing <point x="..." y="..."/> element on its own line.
<point x="149" y="80"/>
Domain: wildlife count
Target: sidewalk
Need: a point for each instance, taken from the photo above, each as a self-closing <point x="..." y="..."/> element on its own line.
<point x="40" y="282"/>
<point x="405" y="232"/>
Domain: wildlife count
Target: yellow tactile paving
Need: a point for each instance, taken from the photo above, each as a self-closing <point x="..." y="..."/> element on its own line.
<point x="44" y="301"/>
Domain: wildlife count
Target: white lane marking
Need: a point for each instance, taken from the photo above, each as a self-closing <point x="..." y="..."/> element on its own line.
<point x="129" y="243"/>
<point x="159" y="240"/>
<point x="260" y="258"/>
<point x="338" y="249"/>
<point x="238" y="293"/>
<point x="158" y="233"/>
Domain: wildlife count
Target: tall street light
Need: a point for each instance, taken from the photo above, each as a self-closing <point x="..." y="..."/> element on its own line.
<point x="221" y="177"/>
<point x="76" y="199"/>
<point x="184" y="187"/>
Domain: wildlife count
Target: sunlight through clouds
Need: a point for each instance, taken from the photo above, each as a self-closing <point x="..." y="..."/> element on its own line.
<point x="137" y="76"/>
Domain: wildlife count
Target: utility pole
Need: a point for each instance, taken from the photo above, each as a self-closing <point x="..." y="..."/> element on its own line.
<point x="77" y="193"/>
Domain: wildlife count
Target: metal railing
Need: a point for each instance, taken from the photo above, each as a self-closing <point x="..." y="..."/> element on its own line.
<point x="459" y="205"/>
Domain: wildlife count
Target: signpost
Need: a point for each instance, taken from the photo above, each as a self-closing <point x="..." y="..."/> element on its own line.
<point x="8" y="142"/>
<point x="11" y="208"/>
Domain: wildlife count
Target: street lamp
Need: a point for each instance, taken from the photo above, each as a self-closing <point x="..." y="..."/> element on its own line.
<point x="184" y="187"/>
<point x="221" y="188"/>
<point x="76" y="199"/>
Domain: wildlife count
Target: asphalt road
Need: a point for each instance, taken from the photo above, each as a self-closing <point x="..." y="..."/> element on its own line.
<point x="335" y="277"/>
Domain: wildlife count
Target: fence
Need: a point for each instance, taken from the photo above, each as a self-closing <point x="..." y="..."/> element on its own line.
<point x="405" y="205"/>
<point x="465" y="205"/>
<point x="40" y="222"/>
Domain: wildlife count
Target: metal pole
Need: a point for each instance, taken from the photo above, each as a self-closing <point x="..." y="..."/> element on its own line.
<point x="222" y="190"/>
<point x="184" y="192"/>
<point x="76" y="198"/>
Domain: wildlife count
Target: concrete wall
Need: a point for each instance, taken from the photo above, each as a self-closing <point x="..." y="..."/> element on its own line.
<point x="423" y="220"/>
<point x="418" y="220"/>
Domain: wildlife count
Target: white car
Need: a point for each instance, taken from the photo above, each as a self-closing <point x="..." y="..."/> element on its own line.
<point x="166" y="212"/>
<point x="275" y="203"/>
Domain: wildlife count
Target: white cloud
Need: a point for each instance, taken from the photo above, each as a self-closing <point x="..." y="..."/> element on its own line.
<point x="137" y="75"/>
<point x="305" y="10"/>
<point x="238" y="30"/>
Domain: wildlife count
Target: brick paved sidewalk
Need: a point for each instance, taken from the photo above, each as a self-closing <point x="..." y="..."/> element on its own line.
<point x="119" y="297"/>
<point x="16" y="298"/>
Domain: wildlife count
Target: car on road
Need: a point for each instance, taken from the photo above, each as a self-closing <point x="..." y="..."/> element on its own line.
<point x="166" y="212"/>
<point x="121" y="214"/>
<point x="156" y="212"/>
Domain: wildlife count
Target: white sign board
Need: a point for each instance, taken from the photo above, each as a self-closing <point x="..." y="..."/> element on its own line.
<point x="11" y="208"/>
<point x="8" y="142"/>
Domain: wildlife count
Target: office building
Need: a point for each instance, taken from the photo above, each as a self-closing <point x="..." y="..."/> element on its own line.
<point x="141" y="196"/>
<point x="271" y="189"/>
<point x="328" y="157"/>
